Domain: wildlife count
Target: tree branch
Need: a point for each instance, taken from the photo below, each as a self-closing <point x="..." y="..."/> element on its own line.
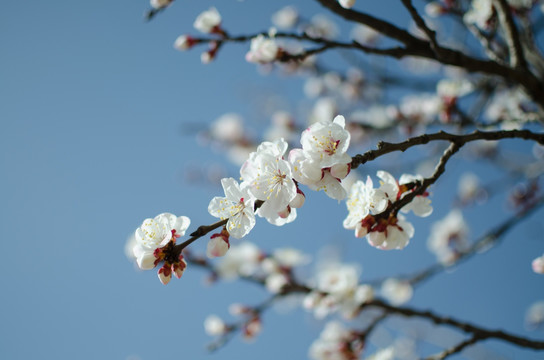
<point x="480" y="332"/>
<point x="456" y="349"/>
<point x="515" y="49"/>
<point x="460" y="140"/>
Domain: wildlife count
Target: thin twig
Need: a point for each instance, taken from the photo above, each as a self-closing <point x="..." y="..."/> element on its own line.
<point x="455" y="349"/>
<point x="463" y="326"/>
<point x="515" y="49"/>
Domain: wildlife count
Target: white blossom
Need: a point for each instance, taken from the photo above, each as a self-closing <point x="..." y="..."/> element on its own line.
<point x="534" y="317"/>
<point x="480" y="13"/>
<point x="262" y="50"/>
<point x="242" y="259"/>
<point x="331" y="344"/>
<point x="348" y="4"/>
<point x="420" y="205"/>
<point x="159" y="4"/>
<point x="214" y="325"/>
<point x="217" y="246"/>
<point x="183" y="42"/>
<point x="538" y="265"/>
<point x="285" y="18"/>
<point x="363" y="200"/>
<point x="448" y="237"/>
<point x="397" y="292"/>
<point x="454" y="88"/>
<point x="338" y="289"/>
<point x="156" y="233"/>
<point x="364" y="34"/>
<point x="393" y="235"/>
<point x="237" y="206"/>
<point x="269" y="178"/>
<point x="327" y="142"/>
<point x="208" y="21"/>
<point x="321" y="27"/>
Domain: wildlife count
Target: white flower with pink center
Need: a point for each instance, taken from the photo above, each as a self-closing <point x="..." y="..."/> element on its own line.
<point x="327" y="142"/>
<point x="236" y="206"/>
<point x="363" y="200"/>
<point x="394" y="233"/>
<point x="269" y="179"/>
<point x="156" y="233"/>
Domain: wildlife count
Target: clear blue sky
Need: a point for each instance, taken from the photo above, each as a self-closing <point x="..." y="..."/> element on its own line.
<point x="94" y="107"/>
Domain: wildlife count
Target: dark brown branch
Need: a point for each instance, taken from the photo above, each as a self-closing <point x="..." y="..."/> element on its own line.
<point x="201" y="231"/>
<point x="431" y="35"/>
<point x="423" y="185"/>
<point x="418" y="47"/>
<point x="478" y="331"/>
<point x="483" y="242"/>
<point x="386" y="148"/>
<point x="515" y="49"/>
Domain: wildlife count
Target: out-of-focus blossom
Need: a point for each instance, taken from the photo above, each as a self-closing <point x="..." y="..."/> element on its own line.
<point x="228" y="128"/>
<point x="383" y="354"/>
<point x="397" y="292"/>
<point x="321" y="27"/>
<point x="286" y="17"/>
<point x="435" y="9"/>
<point x="448" y="237"/>
<point x="241" y="260"/>
<point x="159" y="4"/>
<point x="512" y="107"/>
<point x="283" y="126"/>
<point x="336" y="343"/>
<point x="538" y="265"/>
<point x="375" y="117"/>
<point x="364" y="35"/>
<point x="214" y="326"/>
<point x="208" y="21"/>
<point x="184" y="42"/>
<point x="480" y="13"/>
<point x="534" y="317"/>
<point x="262" y="50"/>
<point x="348" y="4"/>
<point x="469" y="188"/>
<point x="343" y="293"/>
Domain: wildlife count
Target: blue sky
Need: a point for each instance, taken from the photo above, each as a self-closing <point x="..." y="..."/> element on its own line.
<point x="95" y="105"/>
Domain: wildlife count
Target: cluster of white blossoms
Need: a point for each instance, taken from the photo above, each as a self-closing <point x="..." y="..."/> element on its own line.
<point x="337" y="289"/>
<point x="368" y="210"/>
<point x="337" y="342"/>
<point x="154" y="242"/>
<point x="270" y="182"/>
<point x="269" y="188"/>
<point x="482" y="12"/>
